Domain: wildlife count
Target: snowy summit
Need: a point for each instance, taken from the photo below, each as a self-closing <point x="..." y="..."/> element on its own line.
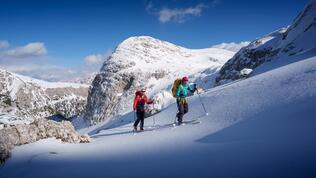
<point x="147" y="62"/>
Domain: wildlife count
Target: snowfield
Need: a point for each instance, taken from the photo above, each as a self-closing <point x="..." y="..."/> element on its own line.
<point x="263" y="126"/>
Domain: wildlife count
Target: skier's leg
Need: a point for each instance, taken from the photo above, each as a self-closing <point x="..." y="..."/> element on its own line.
<point x="185" y="107"/>
<point x="142" y="118"/>
<point x="178" y="106"/>
<point x="181" y="112"/>
<point x="137" y="120"/>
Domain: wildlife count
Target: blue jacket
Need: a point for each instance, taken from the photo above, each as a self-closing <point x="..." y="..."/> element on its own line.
<point x="183" y="90"/>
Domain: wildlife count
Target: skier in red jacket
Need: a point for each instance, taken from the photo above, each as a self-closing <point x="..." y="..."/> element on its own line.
<point x="139" y="107"/>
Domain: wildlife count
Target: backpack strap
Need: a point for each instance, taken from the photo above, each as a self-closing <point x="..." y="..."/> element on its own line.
<point x="181" y="88"/>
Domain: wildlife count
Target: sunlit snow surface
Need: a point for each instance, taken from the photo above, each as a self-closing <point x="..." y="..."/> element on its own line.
<point x="263" y="126"/>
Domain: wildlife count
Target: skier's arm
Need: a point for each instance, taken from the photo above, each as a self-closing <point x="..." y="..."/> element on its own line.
<point x="192" y="88"/>
<point x="148" y="101"/>
<point x="178" y="91"/>
<point x="135" y="102"/>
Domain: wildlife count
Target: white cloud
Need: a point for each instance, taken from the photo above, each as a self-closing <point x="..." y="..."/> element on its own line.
<point x="27" y="59"/>
<point x="97" y="59"/>
<point x="235" y="47"/>
<point x="94" y="59"/>
<point x="31" y="60"/>
<point x="180" y="15"/>
<point x="46" y="72"/>
<point x="30" y="50"/>
<point x="4" y="44"/>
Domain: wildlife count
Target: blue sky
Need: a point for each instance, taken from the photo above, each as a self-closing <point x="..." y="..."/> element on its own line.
<point x="69" y="31"/>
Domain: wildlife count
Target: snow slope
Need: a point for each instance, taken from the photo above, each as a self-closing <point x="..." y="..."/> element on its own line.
<point x="263" y="126"/>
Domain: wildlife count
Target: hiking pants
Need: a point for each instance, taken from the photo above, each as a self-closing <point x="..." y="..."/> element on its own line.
<point x="140" y="118"/>
<point x="183" y="108"/>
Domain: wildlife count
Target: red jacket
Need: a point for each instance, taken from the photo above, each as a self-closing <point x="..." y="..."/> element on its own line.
<point x="139" y="102"/>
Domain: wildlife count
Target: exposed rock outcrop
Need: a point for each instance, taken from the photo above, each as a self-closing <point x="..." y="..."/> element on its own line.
<point x="37" y="130"/>
<point x="26" y="97"/>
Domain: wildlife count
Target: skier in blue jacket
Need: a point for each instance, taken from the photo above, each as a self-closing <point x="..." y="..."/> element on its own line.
<point x="182" y="92"/>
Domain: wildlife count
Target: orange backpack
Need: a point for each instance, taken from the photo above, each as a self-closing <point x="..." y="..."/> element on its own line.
<point x="175" y="86"/>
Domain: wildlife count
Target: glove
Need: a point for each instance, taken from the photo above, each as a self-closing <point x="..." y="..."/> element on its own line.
<point x="194" y="88"/>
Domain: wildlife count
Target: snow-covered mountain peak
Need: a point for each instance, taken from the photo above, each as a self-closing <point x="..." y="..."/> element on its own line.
<point x="147" y="62"/>
<point x="283" y="46"/>
<point x="147" y="54"/>
<point x="137" y="41"/>
<point x="303" y="30"/>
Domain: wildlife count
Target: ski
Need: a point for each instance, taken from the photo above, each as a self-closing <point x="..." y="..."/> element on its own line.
<point x="166" y="126"/>
<point x="193" y="122"/>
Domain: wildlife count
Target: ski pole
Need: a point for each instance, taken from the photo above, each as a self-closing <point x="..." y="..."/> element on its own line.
<point x="206" y="113"/>
<point x="175" y="118"/>
<point x="154" y="121"/>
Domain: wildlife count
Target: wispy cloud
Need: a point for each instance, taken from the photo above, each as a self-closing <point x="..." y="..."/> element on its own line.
<point x="94" y="59"/>
<point x="23" y="58"/>
<point x="4" y="44"/>
<point x="32" y="60"/>
<point x="180" y="15"/>
<point x="30" y="50"/>
<point x="166" y="14"/>
<point x="97" y="59"/>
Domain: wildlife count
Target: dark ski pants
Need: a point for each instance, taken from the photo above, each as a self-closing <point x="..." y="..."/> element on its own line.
<point x="140" y="118"/>
<point x="183" y="108"/>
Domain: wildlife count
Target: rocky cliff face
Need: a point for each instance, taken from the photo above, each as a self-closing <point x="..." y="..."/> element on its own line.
<point x="296" y="41"/>
<point x="145" y="62"/>
<point x="25" y="97"/>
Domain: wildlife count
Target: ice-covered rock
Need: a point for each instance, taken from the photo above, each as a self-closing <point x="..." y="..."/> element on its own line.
<point x="245" y="72"/>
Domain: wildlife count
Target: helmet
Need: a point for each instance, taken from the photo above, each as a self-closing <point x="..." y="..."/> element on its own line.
<point x="185" y="78"/>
